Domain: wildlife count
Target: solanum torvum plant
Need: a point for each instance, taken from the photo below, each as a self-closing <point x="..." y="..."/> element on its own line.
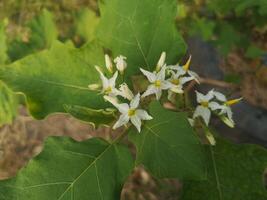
<point x="128" y="79"/>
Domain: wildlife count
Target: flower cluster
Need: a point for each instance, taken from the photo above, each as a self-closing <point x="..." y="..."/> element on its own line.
<point x="129" y="111"/>
<point x="217" y="102"/>
<point x="170" y="78"/>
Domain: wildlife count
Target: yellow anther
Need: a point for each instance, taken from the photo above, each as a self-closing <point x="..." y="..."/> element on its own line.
<point x="108" y="90"/>
<point x="233" y="101"/>
<point x="187" y="64"/>
<point x="175" y="81"/>
<point x="205" y="104"/>
<point x="131" y="112"/>
<point x="157" y="83"/>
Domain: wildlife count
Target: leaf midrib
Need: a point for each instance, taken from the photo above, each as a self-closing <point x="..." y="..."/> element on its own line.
<point x="84" y="171"/>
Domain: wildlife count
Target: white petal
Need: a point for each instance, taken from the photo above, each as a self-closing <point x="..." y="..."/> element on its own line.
<point x="112" y="81"/>
<point x="158" y="93"/>
<point x="194" y="75"/>
<point x="123" y="108"/>
<point x="204" y="113"/>
<point x="177" y="89"/>
<point x="150" y="90"/>
<point x="229" y="113"/>
<point x="220" y="96"/>
<point x="210" y="95"/>
<point x="105" y="82"/>
<point x="136" y="121"/>
<point x="161" y="73"/>
<point x="186" y="79"/>
<point x="135" y="101"/>
<point x="200" y="96"/>
<point x="180" y="71"/>
<point x="150" y="76"/>
<point x="191" y="121"/>
<point x="165" y="85"/>
<point x="215" y="106"/>
<point x="116" y="92"/>
<point x="143" y="115"/>
<point x="112" y="100"/>
<point x="124" y="119"/>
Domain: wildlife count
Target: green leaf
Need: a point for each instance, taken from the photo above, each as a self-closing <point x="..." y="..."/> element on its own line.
<point x="86" y="22"/>
<point x="168" y="147"/>
<point x="228" y="38"/>
<point x="57" y="77"/>
<point x="43" y="32"/>
<point x="234" y="172"/>
<point x="141" y="30"/>
<point x="254" y="52"/>
<point x="3" y="45"/>
<point x="8" y="105"/>
<point x="70" y="170"/>
<point x="97" y="117"/>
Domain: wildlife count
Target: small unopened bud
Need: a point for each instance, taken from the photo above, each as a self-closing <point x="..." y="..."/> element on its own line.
<point x="126" y="92"/>
<point x="93" y="87"/>
<point x="120" y="63"/>
<point x="161" y="61"/>
<point x="108" y="62"/>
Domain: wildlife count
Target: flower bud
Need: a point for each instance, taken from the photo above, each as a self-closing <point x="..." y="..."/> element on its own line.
<point x="108" y="62"/>
<point x="161" y="61"/>
<point x="120" y="63"/>
<point x="93" y="87"/>
<point x="126" y="92"/>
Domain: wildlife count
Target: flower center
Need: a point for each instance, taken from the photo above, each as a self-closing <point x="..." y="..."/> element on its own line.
<point x="157" y="83"/>
<point x="175" y="81"/>
<point x="205" y="104"/>
<point x="131" y="112"/>
<point x="108" y="90"/>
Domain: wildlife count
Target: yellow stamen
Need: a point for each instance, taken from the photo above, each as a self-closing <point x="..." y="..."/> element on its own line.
<point x="108" y="90"/>
<point x="131" y="112"/>
<point x="175" y="81"/>
<point x="233" y="101"/>
<point x="157" y="83"/>
<point x="187" y="64"/>
<point x="205" y="104"/>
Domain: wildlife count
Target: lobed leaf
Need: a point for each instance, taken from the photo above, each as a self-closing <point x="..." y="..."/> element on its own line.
<point x="43" y="32"/>
<point x="56" y="77"/>
<point x="70" y="170"/>
<point x="168" y="147"/>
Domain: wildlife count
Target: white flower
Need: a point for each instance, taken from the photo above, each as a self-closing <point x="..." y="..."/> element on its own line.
<point x="126" y="92"/>
<point x="108" y="85"/>
<point x="130" y="113"/>
<point x="225" y="108"/>
<point x="205" y="106"/>
<point x="161" y="61"/>
<point x="109" y="64"/>
<point x="177" y="82"/>
<point x="120" y="63"/>
<point x="183" y="70"/>
<point x="158" y="82"/>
